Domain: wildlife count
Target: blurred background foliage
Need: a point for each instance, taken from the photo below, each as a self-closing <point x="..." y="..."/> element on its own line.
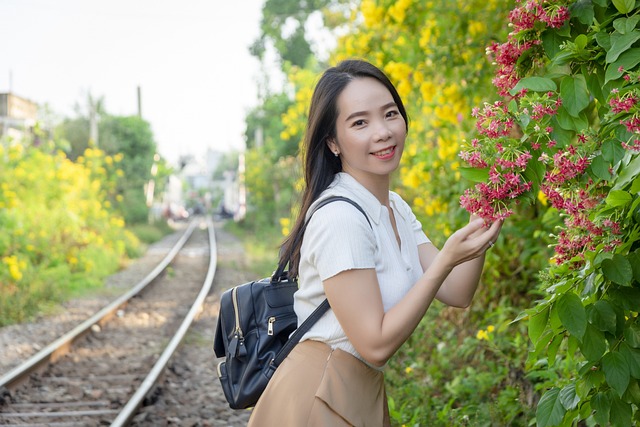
<point x="72" y="207"/>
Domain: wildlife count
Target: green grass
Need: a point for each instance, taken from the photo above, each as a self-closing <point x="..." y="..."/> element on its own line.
<point x="261" y="247"/>
<point x="150" y="233"/>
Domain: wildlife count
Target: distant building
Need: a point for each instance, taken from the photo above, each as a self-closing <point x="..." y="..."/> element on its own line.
<point x="17" y="115"/>
<point x="198" y="187"/>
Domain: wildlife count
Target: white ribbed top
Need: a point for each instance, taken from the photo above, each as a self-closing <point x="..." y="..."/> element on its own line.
<point x="339" y="238"/>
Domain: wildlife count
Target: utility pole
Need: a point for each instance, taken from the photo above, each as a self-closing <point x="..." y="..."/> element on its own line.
<point x="139" y="102"/>
<point x="93" y="120"/>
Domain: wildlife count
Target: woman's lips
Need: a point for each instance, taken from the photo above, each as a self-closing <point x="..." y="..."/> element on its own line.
<point x="385" y="154"/>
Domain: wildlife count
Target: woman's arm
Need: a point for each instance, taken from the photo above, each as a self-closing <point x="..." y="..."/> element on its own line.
<point x="461" y="284"/>
<point x="355" y="297"/>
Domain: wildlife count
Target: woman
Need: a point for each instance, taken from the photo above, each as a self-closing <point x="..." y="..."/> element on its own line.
<point x="379" y="277"/>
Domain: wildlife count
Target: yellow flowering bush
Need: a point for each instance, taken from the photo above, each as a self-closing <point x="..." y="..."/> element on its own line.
<point x="58" y="231"/>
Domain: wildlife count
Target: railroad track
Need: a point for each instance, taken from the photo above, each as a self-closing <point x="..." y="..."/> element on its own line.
<point x="105" y="377"/>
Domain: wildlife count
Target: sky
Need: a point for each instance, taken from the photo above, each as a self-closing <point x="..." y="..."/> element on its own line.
<point x="190" y="59"/>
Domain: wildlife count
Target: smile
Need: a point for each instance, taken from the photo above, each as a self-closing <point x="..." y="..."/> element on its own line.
<point x="386" y="153"/>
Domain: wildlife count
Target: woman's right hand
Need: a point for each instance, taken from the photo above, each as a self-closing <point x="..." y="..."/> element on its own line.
<point x="470" y="242"/>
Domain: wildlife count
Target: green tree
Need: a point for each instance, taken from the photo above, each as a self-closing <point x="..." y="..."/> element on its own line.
<point x="132" y="137"/>
<point x="284" y="26"/>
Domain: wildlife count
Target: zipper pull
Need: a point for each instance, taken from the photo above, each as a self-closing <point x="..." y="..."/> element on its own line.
<point x="272" y="320"/>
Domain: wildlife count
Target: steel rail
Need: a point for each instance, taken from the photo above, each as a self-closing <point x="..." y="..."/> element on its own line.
<point x="61" y="345"/>
<point x="129" y="411"/>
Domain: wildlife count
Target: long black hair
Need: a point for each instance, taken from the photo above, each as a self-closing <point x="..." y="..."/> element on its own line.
<point x="320" y="164"/>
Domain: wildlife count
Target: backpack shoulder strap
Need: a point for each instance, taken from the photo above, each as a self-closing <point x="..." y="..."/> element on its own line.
<point x="279" y="274"/>
<point x="324" y="306"/>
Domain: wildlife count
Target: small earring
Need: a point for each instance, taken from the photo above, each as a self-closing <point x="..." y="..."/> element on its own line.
<point x="335" y="153"/>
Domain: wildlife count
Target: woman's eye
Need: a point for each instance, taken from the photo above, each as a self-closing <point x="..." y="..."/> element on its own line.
<point x="358" y="123"/>
<point x="392" y="113"/>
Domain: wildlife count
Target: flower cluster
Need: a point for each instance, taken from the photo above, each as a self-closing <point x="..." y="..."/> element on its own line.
<point x="528" y="21"/>
<point x="500" y="151"/>
<point x="516" y="143"/>
<point x="625" y="107"/>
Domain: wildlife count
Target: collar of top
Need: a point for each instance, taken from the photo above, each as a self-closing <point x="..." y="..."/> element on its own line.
<point x="346" y="185"/>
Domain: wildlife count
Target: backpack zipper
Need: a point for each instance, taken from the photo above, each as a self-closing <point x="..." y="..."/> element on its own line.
<point x="272" y="320"/>
<point x="234" y="299"/>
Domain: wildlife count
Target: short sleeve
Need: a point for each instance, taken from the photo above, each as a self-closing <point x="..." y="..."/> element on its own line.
<point x="339" y="238"/>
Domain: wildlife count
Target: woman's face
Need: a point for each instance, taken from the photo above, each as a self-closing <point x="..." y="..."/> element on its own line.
<point x="370" y="131"/>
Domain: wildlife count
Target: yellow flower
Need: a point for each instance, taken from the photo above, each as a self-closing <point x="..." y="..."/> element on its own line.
<point x="399" y="10"/>
<point x="476" y="28"/>
<point x="371" y="13"/>
<point x="542" y="197"/>
<point x="427" y="90"/>
<point x="408" y="370"/>
<point x="285" y="224"/>
<point x="14" y="267"/>
<point x="490" y="328"/>
<point x="482" y="335"/>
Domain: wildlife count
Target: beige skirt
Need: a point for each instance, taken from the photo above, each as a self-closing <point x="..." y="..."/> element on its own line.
<point x="317" y="386"/>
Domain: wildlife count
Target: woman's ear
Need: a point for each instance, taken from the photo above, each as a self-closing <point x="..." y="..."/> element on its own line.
<point x="333" y="146"/>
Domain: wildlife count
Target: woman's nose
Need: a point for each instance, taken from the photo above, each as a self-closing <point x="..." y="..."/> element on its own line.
<point x="383" y="132"/>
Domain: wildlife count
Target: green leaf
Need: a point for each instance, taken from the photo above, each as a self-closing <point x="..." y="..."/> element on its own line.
<point x="632" y="335"/>
<point x="550" y="410"/>
<point x="625" y="25"/>
<point x="593" y="344"/>
<point x="617" y="269"/>
<point x="568" y="122"/>
<point x="634" y="260"/>
<point x="536" y="84"/>
<point x="600" y="168"/>
<point x="612" y="151"/>
<point x="604" y="40"/>
<point x="560" y="134"/>
<point x="624" y="6"/>
<point x="594" y="378"/>
<point x="618" y="198"/>
<point x="627" y="298"/>
<point x="569" y="398"/>
<point x="633" y="359"/>
<point x="616" y="371"/>
<point x="574" y="93"/>
<point x="474" y="174"/>
<point x="601" y="403"/>
<point x="535" y="172"/>
<point x="581" y="42"/>
<point x="572" y="314"/>
<point x="633" y="392"/>
<point x="583" y="11"/>
<point x="603" y="316"/>
<point x="627" y="61"/>
<point x="572" y="344"/>
<point x="537" y="324"/>
<point x="620" y="43"/>
<point x="552" y="349"/>
<point x="551" y="41"/>
<point x="635" y="186"/>
<point x="628" y="173"/>
<point x="595" y="81"/>
<point x="620" y="413"/>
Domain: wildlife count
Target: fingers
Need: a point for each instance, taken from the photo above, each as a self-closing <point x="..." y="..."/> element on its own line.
<point x="493" y="233"/>
<point x="472" y="241"/>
